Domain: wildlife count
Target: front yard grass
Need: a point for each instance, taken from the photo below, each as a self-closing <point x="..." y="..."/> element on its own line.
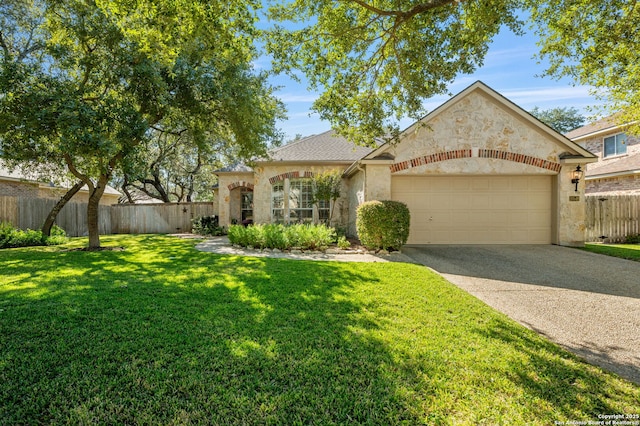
<point x="625" y="251"/>
<point x="163" y="334"/>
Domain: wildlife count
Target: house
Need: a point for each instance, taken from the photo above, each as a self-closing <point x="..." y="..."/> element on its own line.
<point x="25" y="201"/>
<point x="617" y="171"/>
<point x="15" y="183"/>
<point x="476" y="170"/>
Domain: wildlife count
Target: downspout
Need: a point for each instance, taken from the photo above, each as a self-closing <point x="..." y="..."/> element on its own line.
<point x="364" y="181"/>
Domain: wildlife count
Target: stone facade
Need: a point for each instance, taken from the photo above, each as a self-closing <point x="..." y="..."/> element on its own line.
<point x="476" y="133"/>
<point x="261" y="182"/>
<point x="480" y="134"/>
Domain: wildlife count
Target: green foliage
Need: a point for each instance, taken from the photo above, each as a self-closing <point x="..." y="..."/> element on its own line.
<point x="326" y="187"/>
<point x="624" y="251"/>
<point x="383" y="224"/>
<point x="632" y="239"/>
<point x="85" y="85"/>
<point x="275" y="236"/>
<point x="343" y="243"/>
<point x="206" y="225"/>
<point x="163" y="334"/>
<point x="375" y="62"/>
<point x="595" y="43"/>
<point x="562" y="120"/>
<point x="11" y="237"/>
<point x="278" y="236"/>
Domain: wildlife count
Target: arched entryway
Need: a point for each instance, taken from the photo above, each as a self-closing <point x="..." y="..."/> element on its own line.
<point x="241" y="203"/>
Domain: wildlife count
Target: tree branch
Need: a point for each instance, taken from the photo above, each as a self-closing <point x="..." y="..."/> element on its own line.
<point x="72" y="168"/>
<point x="405" y="14"/>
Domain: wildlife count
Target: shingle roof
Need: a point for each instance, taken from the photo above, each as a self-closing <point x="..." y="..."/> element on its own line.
<point x="609" y="122"/>
<point x="235" y="168"/>
<point x="620" y="165"/>
<point x="327" y="146"/>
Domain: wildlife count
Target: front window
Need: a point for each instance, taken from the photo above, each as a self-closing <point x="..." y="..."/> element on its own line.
<point x="615" y="145"/>
<point x="277" y="202"/>
<point x="323" y="210"/>
<point x="301" y="200"/>
<point x="292" y="201"/>
<point x="247" y="205"/>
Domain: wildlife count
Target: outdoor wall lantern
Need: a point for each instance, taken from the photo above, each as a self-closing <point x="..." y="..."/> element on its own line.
<point x="576" y="175"/>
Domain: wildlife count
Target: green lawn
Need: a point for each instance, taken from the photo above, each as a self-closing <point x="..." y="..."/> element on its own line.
<point x="625" y="251"/>
<point x="163" y="334"/>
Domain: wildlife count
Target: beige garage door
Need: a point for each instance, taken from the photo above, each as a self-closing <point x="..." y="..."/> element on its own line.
<point x="476" y="209"/>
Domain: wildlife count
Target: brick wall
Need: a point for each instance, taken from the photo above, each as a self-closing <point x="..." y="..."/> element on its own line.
<point x="614" y="185"/>
<point x="18" y="189"/>
<point x="596" y="146"/>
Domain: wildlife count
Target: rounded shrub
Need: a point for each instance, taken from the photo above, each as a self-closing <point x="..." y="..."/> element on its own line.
<point x="383" y="224"/>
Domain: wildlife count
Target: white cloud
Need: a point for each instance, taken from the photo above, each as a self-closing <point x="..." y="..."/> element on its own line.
<point x="298" y="98"/>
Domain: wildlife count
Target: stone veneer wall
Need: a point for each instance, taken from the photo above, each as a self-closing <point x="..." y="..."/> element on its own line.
<point x="262" y="180"/>
<point x="479" y="136"/>
<point x="356" y="196"/>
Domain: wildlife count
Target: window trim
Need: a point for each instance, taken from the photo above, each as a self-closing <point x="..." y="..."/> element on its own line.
<point x="615" y="143"/>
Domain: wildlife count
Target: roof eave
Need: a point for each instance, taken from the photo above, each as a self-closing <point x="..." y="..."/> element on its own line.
<point x="610" y="129"/>
<point x="613" y="174"/>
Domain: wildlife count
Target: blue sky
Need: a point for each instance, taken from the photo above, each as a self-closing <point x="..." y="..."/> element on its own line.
<point x="509" y="68"/>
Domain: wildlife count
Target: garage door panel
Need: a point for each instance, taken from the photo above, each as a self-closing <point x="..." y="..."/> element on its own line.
<point x="501" y="201"/>
<point x="477" y="210"/>
<point x="442" y="201"/>
<point x="460" y="203"/>
<point x="480" y="201"/>
<point x="538" y="218"/>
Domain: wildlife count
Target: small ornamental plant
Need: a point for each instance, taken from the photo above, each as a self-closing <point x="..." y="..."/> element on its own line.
<point x="11" y="237"/>
<point x="283" y="237"/>
<point x="383" y="224"/>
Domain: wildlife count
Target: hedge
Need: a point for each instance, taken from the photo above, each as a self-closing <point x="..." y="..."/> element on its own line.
<point x="383" y="224"/>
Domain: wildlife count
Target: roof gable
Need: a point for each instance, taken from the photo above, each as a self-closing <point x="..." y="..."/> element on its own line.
<point x="506" y="104"/>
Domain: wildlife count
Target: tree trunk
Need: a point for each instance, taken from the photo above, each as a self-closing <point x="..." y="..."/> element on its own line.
<point x="51" y="218"/>
<point x="93" y="210"/>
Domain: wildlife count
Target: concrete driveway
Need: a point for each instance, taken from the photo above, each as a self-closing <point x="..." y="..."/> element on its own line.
<point x="585" y="302"/>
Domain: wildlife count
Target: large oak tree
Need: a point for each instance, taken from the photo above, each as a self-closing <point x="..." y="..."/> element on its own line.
<point x="82" y="83"/>
<point x="376" y="61"/>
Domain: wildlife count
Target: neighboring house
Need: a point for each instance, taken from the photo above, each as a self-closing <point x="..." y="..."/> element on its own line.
<point x="14" y="183"/>
<point x="476" y="170"/>
<point x="617" y="171"/>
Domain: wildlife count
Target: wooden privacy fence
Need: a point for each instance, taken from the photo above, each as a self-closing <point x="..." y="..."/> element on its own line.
<point x="612" y="218"/>
<point x="162" y="218"/>
<point x="31" y="213"/>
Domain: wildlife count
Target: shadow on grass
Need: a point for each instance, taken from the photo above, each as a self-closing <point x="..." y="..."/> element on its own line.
<point x="160" y="333"/>
<point x="563" y="381"/>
